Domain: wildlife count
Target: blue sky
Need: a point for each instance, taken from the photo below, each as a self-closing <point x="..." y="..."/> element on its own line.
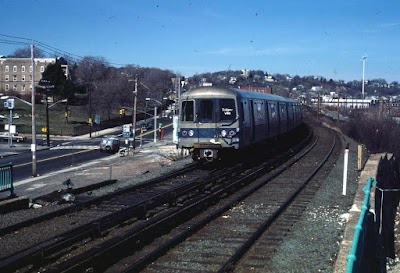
<point x="298" y="37"/>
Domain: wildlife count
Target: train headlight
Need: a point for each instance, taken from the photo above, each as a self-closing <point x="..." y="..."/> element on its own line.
<point x="223" y="133"/>
<point x="184" y="133"/>
<point x="232" y="133"/>
<point x="191" y="132"/>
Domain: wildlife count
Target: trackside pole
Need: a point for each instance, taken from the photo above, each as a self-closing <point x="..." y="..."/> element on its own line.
<point x="359" y="161"/>
<point x="346" y="162"/>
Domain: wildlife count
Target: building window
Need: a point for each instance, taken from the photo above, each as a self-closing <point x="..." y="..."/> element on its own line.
<point x="6" y="78"/>
<point x="23" y="88"/>
<point x="6" y="87"/>
<point x="30" y="87"/>
<point x="15" y="87"/>
<point x="7" y="68"/>
<point x="23" y="78"/>
<point x="30" y="77"/>
<point x="15" y="78"/>
<point x="42" y="69"/>
<point x="15" y="68"/>
<point x="30" y="68"/>
<point x="23" y="68"/>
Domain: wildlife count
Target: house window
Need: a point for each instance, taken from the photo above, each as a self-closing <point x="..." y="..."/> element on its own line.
<point x="23" y="78"/>
<point x="42" y="69"/>
<point x="6" y="78"/>
<point x="6" y="68"/>
<point x="23" y="88"/>
<point x="15" y="87"/>
<point x="15" y="78"/>
<point x="15" y="68"/>
<point x="23" y="68"/>
<point x="6" y="87"/>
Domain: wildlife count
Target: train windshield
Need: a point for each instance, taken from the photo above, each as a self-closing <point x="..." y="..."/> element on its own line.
<point x="216" y="110"/>
<point x="187" y="110"/>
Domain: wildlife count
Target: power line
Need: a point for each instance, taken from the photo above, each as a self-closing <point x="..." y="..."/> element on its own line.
<point x="53" y="49"/>
<point x="15" y="37"/>
<point x="11" y="42"/>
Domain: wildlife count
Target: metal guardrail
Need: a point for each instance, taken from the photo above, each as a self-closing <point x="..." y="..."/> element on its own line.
<point x="6" y="178"/>
<point x="353" y="263"/>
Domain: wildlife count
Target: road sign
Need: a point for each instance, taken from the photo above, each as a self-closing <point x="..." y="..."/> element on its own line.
<point x="9" y="103"/>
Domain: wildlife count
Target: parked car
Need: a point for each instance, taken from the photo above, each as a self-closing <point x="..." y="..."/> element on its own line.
<point x="15" y="137"/>
<point x="109" y="144"/>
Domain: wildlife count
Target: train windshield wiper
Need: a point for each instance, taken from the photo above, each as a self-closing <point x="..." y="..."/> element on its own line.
<point x="229" y="124"/>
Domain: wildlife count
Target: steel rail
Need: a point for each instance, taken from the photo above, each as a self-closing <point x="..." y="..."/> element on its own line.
<point x="96" y="258"/>
<point x="94" y="200"/>
<point x="94" y="228"/>
<point x="228" y="266"/>
<point x="163" y="248"/>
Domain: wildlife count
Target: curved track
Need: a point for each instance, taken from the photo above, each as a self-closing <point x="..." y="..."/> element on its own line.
<point x="267" y="207"/>
<point x="113" y="227"/>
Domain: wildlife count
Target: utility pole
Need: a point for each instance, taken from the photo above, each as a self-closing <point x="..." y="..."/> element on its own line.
<point x="47" y="118"/>
<point x="134" y="112"/>
<point x="33" y="145"/>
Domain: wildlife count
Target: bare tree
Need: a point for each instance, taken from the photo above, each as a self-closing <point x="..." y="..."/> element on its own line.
<point x="26" y="53"/>
<point x="91" y="69"/>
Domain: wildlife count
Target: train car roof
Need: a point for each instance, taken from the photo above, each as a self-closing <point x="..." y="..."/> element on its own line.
<point x="212" y="91"/>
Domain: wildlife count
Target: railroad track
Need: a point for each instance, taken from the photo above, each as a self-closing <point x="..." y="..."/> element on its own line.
<point x="244" y="229"/>
<point x="139" y="216"/>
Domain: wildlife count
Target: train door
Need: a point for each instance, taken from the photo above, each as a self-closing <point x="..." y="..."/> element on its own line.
<point x="273" y="119"/>
<point x="259" y="120"/>
<point x="252" y="120"/>
<point x="267" y="119"/>
<point x="205" y="119"/>
<point x="290" y="115"/>
<point x="247" y="121"/>
<point x="283" y="118"/>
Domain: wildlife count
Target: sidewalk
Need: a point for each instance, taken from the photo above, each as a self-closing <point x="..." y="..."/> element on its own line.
<point x="151" y="158"/>
<point x="125" y="169"/>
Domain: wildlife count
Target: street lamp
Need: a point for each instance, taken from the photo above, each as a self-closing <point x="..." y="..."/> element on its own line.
<point x="33" y="145"/>
<point x="134" y="92"/>
<point x="363" y="74"/>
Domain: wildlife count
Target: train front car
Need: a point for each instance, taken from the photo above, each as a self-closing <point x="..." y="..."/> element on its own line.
<point x="208" y="122"/>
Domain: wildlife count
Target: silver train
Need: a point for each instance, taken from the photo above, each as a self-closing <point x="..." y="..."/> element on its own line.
<point x="213" y="120"/>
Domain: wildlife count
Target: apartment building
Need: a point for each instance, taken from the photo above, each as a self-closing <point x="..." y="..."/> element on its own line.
<point x="16" y="73"/>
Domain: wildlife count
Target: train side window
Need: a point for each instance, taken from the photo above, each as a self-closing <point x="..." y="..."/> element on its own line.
<point x="227" y="110"/>
<point x="206" y="108"/>
<point x="187" y="110"/>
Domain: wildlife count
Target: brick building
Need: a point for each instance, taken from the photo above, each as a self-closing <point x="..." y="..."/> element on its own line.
<point x="16" y="73"/>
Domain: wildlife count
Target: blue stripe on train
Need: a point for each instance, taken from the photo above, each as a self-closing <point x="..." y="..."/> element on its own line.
<point x="198" y="132"/>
